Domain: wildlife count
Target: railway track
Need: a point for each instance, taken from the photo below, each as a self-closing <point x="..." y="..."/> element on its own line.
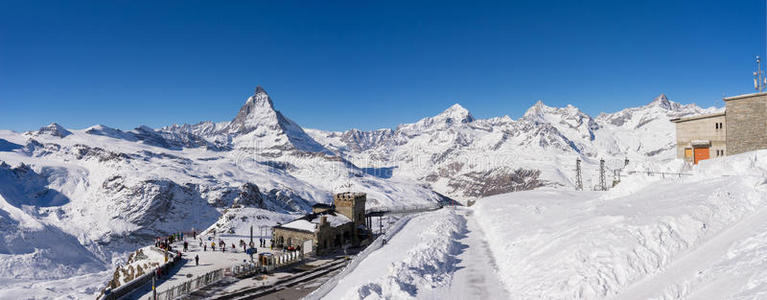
<point x="304" y="276"/>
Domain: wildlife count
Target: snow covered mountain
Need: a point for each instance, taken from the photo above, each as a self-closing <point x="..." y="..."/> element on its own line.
<point x="74" y="201"/>
<point x="465" y="158"/>
<point x="99" y="192"/>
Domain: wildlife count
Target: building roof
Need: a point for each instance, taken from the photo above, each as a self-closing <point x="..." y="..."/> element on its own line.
<point x="352" y="194"/>
<point x="697" y="117"/>
<point x="310" y="222"/>
<point x="744" y="96"/>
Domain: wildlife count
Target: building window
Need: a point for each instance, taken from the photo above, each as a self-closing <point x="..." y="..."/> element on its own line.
<point x="716" y="125"/>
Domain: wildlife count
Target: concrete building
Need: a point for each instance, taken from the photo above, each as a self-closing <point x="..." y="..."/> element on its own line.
<point x="701" y="137"/>
<point x="327" y="227"/>
<point x="741" y="128"/>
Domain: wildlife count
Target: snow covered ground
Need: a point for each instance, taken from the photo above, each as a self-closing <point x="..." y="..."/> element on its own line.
<point x="702" y="236"/>
<point x="420" y="259"/>
<point x="76" y="202"/>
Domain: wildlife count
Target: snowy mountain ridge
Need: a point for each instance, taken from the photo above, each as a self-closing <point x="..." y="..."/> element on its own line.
<point x="105" y="191"/>
<point x="464" y="157"/>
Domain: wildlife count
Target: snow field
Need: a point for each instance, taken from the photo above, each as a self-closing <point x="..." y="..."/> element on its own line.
<point x="553" y="244"/>
<point x="417" y="260"/>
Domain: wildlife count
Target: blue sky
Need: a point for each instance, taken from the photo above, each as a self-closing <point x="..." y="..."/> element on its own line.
<point x="363" y="64"/>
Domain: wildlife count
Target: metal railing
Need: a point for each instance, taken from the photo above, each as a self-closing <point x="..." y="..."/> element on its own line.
<point x="202" y="281"/>
<point x="138" y="282"/>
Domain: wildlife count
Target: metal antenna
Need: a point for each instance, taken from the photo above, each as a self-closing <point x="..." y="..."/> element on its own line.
<point x="578" y="176"/>
<point x="759" y="79"/>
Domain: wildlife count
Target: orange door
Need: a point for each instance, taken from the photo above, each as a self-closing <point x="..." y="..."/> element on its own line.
<point x="701" y="154"/>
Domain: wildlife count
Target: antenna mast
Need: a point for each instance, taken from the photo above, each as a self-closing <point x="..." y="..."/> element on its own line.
<point x="760" y="80"/>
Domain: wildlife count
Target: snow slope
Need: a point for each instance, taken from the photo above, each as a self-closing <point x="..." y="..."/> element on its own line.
<point x="669" y="238"/>
<point x="701" y="236"/>
<point x="419" y="260"/>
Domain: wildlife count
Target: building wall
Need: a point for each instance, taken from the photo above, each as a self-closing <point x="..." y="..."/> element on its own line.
<point x="746" y="123"/>
<point x="329" y="237"/>
<point x="352" y="205"/>
<point x="281" y="236"/>
<point x="702" y="129"/>
<point x="326" y="237"/>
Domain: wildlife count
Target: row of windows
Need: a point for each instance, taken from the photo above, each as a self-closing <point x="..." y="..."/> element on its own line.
<point x="719" y="152"/>
<point x="718" y="125"/>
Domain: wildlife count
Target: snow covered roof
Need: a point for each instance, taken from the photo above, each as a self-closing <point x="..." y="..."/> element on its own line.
<point x="300" y="224"/>
<point x="311" y="221"/>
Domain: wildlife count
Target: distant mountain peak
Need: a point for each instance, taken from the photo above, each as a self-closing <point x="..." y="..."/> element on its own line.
<point x="663" y="102"/>
<point x="257" y="111"/>
<point x="261" y="98"/>
<point x="456" y="113"/>
<point x="536" y="110"/>
<point x="53" y="129"/>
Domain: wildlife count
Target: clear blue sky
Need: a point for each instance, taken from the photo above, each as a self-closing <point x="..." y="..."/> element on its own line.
<point x="359" y="64"/>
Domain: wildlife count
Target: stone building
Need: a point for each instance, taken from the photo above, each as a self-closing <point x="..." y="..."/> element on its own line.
<point x="741" y="128"/>
<point x="747" y="122"/>
<point x="327" y="227"/>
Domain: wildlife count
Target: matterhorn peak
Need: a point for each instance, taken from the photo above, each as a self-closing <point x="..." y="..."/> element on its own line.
<point x="257" y="111"/>
<point x="261" y="98"/>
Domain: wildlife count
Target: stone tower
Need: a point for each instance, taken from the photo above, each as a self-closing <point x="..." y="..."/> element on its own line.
<point x="352" y="205"/>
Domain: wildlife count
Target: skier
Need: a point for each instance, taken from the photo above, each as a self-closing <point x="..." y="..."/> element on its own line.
<point x="205" y="247"/>
<point x="186" y="246"/>
<point x="196" y="260"/>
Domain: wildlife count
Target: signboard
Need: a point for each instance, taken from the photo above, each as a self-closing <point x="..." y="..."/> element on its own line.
<point x="307" y="246"/>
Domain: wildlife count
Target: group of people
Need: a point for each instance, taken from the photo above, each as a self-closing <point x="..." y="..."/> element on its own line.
<point x="167" y="241"/>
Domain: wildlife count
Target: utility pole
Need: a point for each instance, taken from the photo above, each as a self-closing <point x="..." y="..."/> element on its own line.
<point x="578" y="176"/>
<point x="602" y="180"/>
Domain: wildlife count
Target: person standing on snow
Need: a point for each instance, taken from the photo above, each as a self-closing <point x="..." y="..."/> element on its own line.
<point x="196" y="260"/>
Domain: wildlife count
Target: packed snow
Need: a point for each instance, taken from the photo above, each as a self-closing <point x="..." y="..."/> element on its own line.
<point x="696" y="236"/>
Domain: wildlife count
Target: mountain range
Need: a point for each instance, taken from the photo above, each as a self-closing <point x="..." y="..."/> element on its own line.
<point x="72" y="201"/>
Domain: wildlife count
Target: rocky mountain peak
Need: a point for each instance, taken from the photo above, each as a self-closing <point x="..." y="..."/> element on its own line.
<point x="261" y="98"/>
<point x="663" y="102"/>
<point x="257" y="111"/>
<point x="52" y="129"/>
<point x="456" y="114"/>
